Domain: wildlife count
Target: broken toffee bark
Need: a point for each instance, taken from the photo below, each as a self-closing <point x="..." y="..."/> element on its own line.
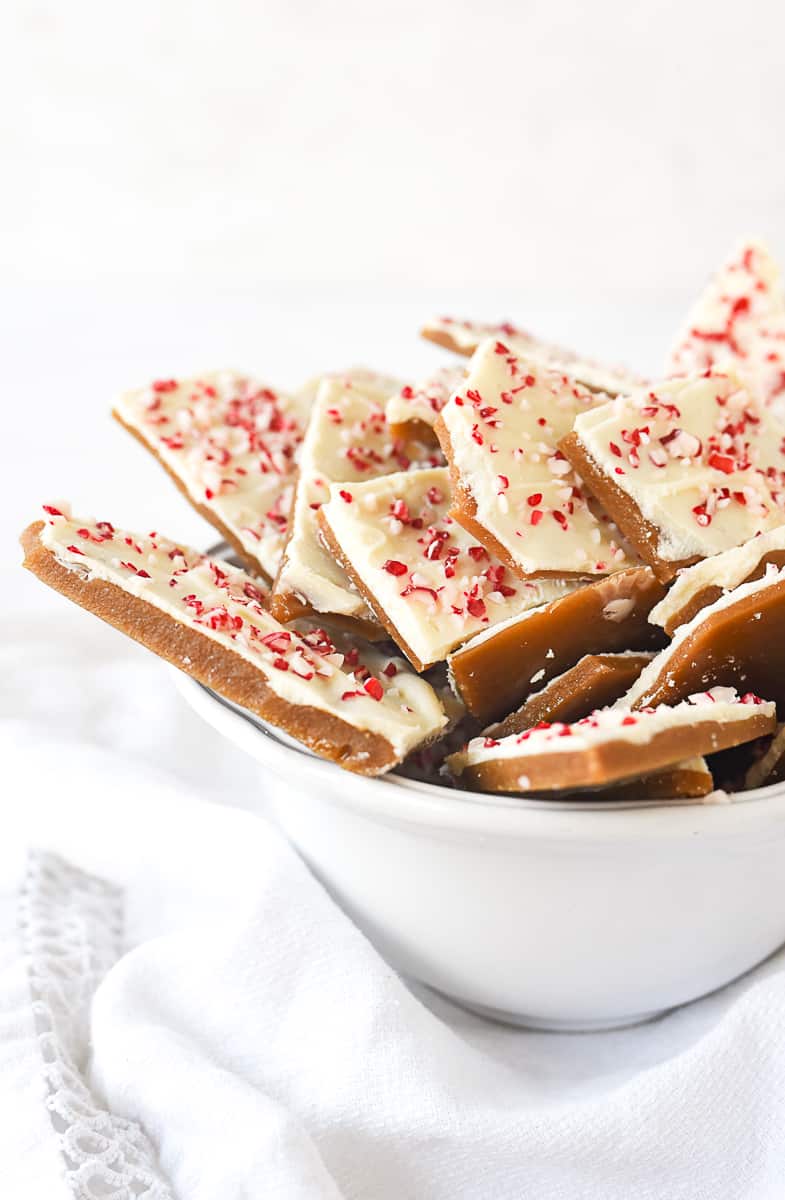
<point x="513" y="489"/>
<point x="412" y="411"/>
<point x="427" y="580"/>
<point x="738" y="321"/>
<point x="497" y="669"/>
<point x="738" y="641"/>
<point x="770" y="766"/>
<point x="706" y="581"/>
<point x="596" y="681"/>
<point x="464" y="337"/>
<point x="347" y="440"/>
<point x="207" y="618"/>
<point x="687" y="469"/>
<point x="230" y="443"/>
<point x="613" y="745"/>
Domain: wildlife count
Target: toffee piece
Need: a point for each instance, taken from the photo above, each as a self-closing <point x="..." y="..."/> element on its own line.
<point x="687" y="469"/>
<point x="770" y="766"/>
<point x="697" y="586"/>
<point x="513" y="488"/>
<point x="464" y="337"/>
<point x="428" y="582"/>
<point x="347" y="440"/>
<point x="738" y="641"/>
<point x="738" y="321"/>
<point x="230" y="443"/>
<point x="612" y="745"/>
<point x="412" y="411"/>
<point x="361" y="709"/>
<point x="499" y="668"/>
<point x="596" y="681"/>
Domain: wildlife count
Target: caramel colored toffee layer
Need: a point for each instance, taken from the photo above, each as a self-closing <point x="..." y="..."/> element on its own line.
<point x="708" y="580"/>
<point x="207" y="618"/>
<point x="739" y="641"/>
<point x="612" y="745"/>
<point x="687" y="781"/>
<point x="687" y="470"/>
<point x="596" y="681"/>
<point x="495" y="671"/>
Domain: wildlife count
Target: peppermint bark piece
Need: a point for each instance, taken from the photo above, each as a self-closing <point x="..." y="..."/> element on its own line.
<point x="687" y="469"/>
<point x="428" y="581"/>
<point x="738" y="641"/>
<point x="738" y="322"/>
<point x="596" y="681"/>
<point x="230" y="443"/>
<point x="613" y="745"/>
<point x="464" y="337"/>
<point x="347" y="440"/>
<point x="513" y="488"/>
<point x="499" y="668"/>
<point x="770" y="766"/>
<point x="412" y="410"/>
<point x="702" y="584"/>
<point x="362" y="710"/>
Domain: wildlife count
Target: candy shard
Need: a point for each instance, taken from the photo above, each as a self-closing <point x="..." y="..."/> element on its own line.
<point x="705" y="582"/>
<point x="613" y="745"/>
<point x="738" y="321"/>
<point x="687" y="469"/>
<point x="465" y="336"/>
<point x="595" y="681"/>
<point x="492" y="672"/>
<point x="347" y="440"/>
<point x="412" y="410"/>
<point x="770" y="767"/>
<point x="423" y="578"/>
<point x="230" y="443"/>
<point x="207" y="617"/>
<point x="737" y="642"/>
<point x="513" y="488"/>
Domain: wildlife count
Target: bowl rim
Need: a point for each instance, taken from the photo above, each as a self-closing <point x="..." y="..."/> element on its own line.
<point x="397" y="800"/>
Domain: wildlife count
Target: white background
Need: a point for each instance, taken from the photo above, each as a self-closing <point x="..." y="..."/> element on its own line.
<point x="293" y="185"/>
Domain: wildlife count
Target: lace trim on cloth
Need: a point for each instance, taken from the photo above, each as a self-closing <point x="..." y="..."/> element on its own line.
<point x="70" y="925"/>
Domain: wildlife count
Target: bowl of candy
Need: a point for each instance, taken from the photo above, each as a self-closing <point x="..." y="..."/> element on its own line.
<point x="508" y="644"/>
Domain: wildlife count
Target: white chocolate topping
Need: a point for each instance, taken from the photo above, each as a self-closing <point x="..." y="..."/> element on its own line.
<point x="701" y="459"/>
<point x="726" y="571"/>
<point x="347" y="440"/>
<point x="738" y="321"/>
<point x="503" y="426"/>
<point x="379" y="694"/>
<point x="232" y="442"/>
<point x="466" y="336"/>
<point x="425" y="400"/>
<point x="436" y="584"/>
<point x="617" y="724"/>
<point x="659" y="664"/>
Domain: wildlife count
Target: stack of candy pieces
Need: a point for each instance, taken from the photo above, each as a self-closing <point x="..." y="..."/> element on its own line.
<point x="526" y="572"/>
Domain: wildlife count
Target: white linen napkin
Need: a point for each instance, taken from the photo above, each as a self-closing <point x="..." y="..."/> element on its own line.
<point x="246" y="1040"/>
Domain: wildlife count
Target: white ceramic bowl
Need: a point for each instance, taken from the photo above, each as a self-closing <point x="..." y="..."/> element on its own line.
<point x="553" y="915"/>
